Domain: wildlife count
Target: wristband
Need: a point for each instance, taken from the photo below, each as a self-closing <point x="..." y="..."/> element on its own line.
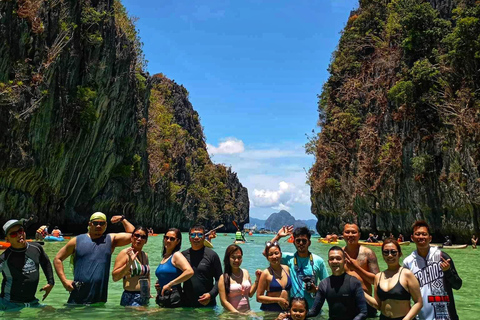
<point x="122" y="218"/>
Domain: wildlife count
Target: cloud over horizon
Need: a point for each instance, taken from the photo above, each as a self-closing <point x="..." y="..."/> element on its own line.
<point x="280" y="199"/>
<point x="274" y="174"/>
<point x="227" y="146"/>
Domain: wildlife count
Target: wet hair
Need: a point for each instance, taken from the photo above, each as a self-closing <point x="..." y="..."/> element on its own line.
<point x="141" y="229"/>
<point x="334" y="248"/>
<point x="420" y="223"/>
<point x="299" y="299"/>
<point x="270" y="245"/>
<point x="353" y="224"/>
<point x="178" y="235"/>
<point x="302" y="231"/>
<point x="227" y="267"/>
<point x="197" y="227"/>
<point x="391" y="240"/>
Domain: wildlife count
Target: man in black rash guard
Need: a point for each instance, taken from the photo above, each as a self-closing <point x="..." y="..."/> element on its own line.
<point x="343" y="292"/>
<point x="199" y="290"/>
<point x="19" y="265"/>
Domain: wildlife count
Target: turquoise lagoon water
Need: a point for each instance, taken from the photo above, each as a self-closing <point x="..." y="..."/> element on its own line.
<point x="467" y="262"/>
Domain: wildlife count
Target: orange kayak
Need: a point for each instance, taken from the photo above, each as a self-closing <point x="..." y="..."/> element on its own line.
<point x="5" y="245"/>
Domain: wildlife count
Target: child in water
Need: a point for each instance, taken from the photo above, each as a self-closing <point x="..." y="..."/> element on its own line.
<point x="298" y="310"/>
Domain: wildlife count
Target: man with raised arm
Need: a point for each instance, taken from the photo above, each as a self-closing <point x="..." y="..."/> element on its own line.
<point x="92" y="258"/>
<point x="19" y="265"/>
<point x="344" y="293"/>
<point x="306" y="268"/>
<point x="436" y="274"/>
<point x="361" y="262"/>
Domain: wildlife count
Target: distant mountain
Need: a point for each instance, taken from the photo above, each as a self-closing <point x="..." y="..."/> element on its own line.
<point x="259" y="222"/>
<point x="279" y="219"/>
<point x="311" y="223"/>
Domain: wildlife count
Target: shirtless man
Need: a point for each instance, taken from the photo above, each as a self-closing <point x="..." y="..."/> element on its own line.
<point x="361" y="262"/>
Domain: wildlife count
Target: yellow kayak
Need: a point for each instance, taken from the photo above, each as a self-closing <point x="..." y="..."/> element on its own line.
<point x="207" y="243"/>
<point x="324" y="241"/>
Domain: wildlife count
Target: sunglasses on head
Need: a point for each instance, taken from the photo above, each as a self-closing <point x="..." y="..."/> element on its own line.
<point x="141" y="236"/>
<point x="302" y="241"/>
<point x="390" y="252"/>
<point x="271" y="244"/>
<point x="196" y="234"/>
<point x="99" y="223"/>
<point x="171" y="238"/>
<point x="14" y="234"/>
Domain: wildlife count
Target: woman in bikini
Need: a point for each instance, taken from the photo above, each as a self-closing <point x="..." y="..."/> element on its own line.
<point x="173" y="270"/>
<point x="395" y="286"/>
<point x="234" y="286"/>
<point x="131" y="265"/>
<point x="275" y="280"/>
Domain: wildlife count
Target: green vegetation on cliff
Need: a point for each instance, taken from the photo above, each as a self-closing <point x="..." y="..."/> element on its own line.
<point x="400" y="118"/>
<point x="83" y="128"/>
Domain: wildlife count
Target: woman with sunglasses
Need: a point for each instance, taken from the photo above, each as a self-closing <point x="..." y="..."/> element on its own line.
<point x="172" y="271"/>
<point x="275" y="280"/>
<point x="234" y="286"/>
<point x="131" y="265"/>
<point x="395" y="286"/>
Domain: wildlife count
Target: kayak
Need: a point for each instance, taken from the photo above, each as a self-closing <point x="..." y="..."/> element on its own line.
<point x="379" y="244"/>
<point x="52" y="238"/>
<point x="455" y="246"/>
<point x="5" y="245"/>
<point x="324" y="241"/>
<point x="238" y="242"/>
<point x="290" y="240"/>
<point x="207" y="243"/>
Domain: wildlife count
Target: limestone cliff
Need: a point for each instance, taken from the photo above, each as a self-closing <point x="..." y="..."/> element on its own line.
<point x="84" y="129"/>
<point x="400" y="118"/>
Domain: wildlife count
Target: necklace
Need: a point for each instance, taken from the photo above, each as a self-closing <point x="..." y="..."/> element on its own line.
<point x="279" y="276"/>
<point x="238" y="277"/>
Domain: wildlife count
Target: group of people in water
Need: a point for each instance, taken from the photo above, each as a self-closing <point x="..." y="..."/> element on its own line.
<point x="42" y="232"/>
<point x="294" y="285"/>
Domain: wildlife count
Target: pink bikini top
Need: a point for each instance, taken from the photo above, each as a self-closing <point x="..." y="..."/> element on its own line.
<point x="237" y="289"/>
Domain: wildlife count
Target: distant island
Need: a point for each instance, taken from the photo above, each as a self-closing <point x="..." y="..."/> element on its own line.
<point x="278" y="219"/>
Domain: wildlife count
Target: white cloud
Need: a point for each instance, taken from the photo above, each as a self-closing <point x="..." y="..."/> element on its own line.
<point x="227" y="146"/>
<point x="280" y="199"/>
<point x="281" y="206"/>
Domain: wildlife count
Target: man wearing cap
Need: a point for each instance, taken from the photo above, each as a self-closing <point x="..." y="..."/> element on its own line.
<point x="19" y="265"/>
<point x="92" y="258"/>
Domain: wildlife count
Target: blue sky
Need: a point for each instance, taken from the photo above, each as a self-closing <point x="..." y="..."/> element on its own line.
<point x="253" y="70"/>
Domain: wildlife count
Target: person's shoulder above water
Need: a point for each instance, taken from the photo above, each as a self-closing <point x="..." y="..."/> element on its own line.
<point x="352" y="279"/>
<point x="317" y="258"/>
<point x="210" y="251"/>
<point x="287" y="256"/>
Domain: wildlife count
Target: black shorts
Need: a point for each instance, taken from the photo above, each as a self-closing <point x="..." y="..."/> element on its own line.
<point x="371" y="311"/>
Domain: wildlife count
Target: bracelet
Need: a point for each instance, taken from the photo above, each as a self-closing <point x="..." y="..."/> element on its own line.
<point x="122" y="218"/>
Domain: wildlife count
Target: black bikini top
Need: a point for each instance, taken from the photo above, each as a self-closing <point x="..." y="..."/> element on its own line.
<point x="398" y="292"/>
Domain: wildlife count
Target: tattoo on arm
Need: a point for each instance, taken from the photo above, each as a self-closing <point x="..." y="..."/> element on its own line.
<point x="372" y="262"/>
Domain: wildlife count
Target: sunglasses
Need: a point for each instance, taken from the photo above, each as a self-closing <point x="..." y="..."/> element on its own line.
<point x="196" y="234"/>
<point x="386" y="253"/>
<point x="98" y="223"/>
<point x="14" y="234"/>
<point x="141" y="236"/>
<point x="171" y="238"/>
<point x="271" y="244"/>
<point x="302" y="241"/>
